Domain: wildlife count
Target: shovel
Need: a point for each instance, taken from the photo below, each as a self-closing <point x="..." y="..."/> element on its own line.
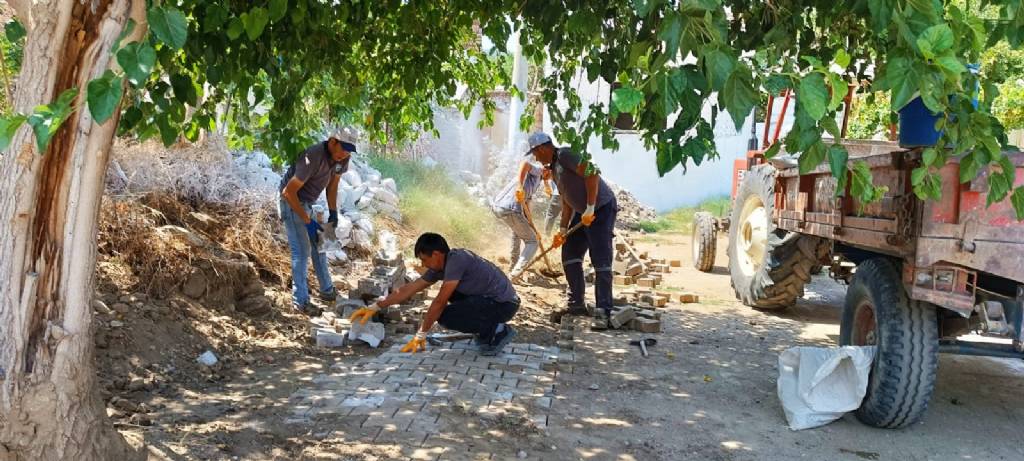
<point x="643" y="343"/>
<point x="545" y="252"/>
<point x="551" y="273"/>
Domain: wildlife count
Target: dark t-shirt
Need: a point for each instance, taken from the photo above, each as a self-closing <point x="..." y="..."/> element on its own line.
<point x="476" y="276"/>
<point x="314" y="167"/>
<point x="571" y="184"/>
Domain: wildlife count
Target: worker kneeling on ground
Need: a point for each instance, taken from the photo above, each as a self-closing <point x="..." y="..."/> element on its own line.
<point x="586" y="200"/>
<point x="475" y="297"/>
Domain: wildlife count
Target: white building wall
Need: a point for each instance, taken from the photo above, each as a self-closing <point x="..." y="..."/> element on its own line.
<point x="633" y="166"/>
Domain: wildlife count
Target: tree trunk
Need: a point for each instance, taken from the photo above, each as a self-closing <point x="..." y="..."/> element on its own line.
<point x="49" y="203"/>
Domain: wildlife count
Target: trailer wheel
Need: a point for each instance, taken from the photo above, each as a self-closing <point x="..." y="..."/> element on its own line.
<point x="768" y="266"/>
<point x="703" y="241"/>
<point x="906" y="333"/>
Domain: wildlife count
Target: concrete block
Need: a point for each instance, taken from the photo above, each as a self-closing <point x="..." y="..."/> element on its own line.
<point x="688" y="297"/>
<point x="660" y="268"/>
<point x="346" y="307"/>
<point x="643" y="255"/>
<point x="622" y="317"/>
<point x="658" y="261"/>
<point x="372" y="286"/>
<point x="675" y="263"/>
<point x="647" y="325"/>
<point x="566" y="345"/>
<point x="647" y="282"/>
<point x="654" y="300"/>
<point x="622" y="280"/>
<point x="329" y="338"/>
<point x="634" y="269"/>
<point x="620" y="300"/>
<point x="621" y="246"/>
<point x="388" y="260"/>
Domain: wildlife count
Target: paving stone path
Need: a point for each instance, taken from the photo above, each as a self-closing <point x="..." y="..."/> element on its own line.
<point x="400" y="398"/>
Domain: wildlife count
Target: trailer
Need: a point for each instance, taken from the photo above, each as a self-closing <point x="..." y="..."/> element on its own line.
<point x="921" y="274"/>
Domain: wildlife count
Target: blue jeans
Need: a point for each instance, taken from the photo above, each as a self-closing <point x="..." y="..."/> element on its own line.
<point x="302" y="249"/>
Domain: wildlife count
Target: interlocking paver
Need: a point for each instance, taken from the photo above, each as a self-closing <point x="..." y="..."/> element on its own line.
<point x="398" y="398"/>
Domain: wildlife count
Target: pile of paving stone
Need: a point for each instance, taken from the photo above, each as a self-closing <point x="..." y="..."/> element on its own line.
<point x="333" y="329"/>
<point x="638" y="300"/>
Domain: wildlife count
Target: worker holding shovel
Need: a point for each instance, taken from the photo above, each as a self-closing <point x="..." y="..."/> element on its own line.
<point x="586" y="200"/>
<point x="510" y="207"/>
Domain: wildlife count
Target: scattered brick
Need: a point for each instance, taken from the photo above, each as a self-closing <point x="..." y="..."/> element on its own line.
<point x="675" y="263"/>
<point x="622" y="317"/>
<point x="622" y="280"/>
<point x="689" y="298"/>
<point x="647" y="325"/>
<point x="648" y="282"/>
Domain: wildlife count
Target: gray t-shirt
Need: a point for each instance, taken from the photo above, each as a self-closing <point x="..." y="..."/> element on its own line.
<point x="314" y="167"/>
<point x="505" y="201"/>
<point x="570" y="182"/>
<point x="476" y="276"/>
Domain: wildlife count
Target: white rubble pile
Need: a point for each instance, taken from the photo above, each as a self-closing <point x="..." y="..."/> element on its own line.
<point x="209" y="172"/>
<point x="362" y="195"/>
<point x="631" y="211"/>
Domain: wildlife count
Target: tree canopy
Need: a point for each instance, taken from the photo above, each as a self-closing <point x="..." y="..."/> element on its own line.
<point x="275" y="70"/>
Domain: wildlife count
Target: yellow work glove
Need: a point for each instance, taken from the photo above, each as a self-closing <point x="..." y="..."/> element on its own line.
<point x="520" y="196"/>
<point x="364" y="314"/>
<point x="417" y="343"/>
<point x="558" y="239"/>
<point x="588" y="216"/>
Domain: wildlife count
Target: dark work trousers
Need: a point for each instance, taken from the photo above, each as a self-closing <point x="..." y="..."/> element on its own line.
<point x="476" y="314"/>
<point x="598" y="240"/>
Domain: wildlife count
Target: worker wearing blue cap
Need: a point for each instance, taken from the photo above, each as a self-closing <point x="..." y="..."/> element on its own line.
<point x="586" y="199"/>
<point x="317" y="168"/>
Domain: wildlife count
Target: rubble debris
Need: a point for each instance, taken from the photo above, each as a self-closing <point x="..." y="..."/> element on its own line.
<point x="370" y="332"/>
<point x="329" y="337"/>
<point x="622" y="317"/>
<point x="631" y="211"/>
<point x="207" y="358"/>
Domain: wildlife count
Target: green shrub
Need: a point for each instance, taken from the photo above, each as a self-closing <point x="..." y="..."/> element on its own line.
<point x="430" y="201"/>
<point x="680" y="220"/>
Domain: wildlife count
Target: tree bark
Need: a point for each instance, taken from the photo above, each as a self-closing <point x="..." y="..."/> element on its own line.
<point x="49" y="205"/>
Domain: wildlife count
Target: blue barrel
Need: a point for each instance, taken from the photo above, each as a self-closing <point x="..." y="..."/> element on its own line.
<point x="917" y="123"/>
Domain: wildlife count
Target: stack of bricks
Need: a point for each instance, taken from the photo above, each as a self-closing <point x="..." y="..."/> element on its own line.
<point x="389" y="274"/>
<point x="632" y="268"/>
<point x="635" y="318"/>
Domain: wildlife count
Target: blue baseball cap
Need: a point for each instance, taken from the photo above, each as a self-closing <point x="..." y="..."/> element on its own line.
<point x="537" y="138"/>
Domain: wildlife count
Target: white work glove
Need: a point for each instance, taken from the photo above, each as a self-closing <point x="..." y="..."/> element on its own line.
<point x="588" y="216"/>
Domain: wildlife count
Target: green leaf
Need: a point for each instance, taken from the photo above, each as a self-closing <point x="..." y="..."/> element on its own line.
<point x="168" y="133"/>
<point x="169" y="25"/>
<point x="951" y="64"/>
<point x="937" y="38"/>
<point x="929" y="156"/>
<point x="968" y="168"/>
<point x="8" y="126"/>
<point x="235" y="28"/>
<point x="881" y="13"/>
<point x="216" y="16"/>
<point x="776" y="83"/>
<point x="137" y="59"/>
<point x="861" y="187"/>
<point x="839" y="90"/>
<point x="14" y="31"/>
<point x="812" y="157"/>
<point x="278" y="9"/>
<point x="47" y="119"/>
<point x="626" y="99"/>
<point x="1017" y="199"/>
<point x="644" y="7"/>
<point x="925" y="7"/>
<point x="255" y="21"/>
<point x="917" y="176"/>
<point x="738" y="95"/>
<point x="668" y="158"/>
<point x="842" y="58"/>
<point x="103" y="96"/>
<point x="129" y="27"/>
<point x="773" y="150"/>
<point x="670" y="31"/>
<point x="837" y="157"/>
<point x="829" y="124"/>
<point x="184" y="90"/>
<point x="997" y="189"/>
<point x="813" y="95"/>
<point x="718" y="66"/>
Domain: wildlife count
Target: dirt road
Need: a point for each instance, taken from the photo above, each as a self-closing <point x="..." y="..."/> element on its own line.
<point x="708" y="390"/>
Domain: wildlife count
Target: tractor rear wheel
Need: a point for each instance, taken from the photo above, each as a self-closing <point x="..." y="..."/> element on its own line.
<point x="769" y="266"/>
<point x="703" y="241"/>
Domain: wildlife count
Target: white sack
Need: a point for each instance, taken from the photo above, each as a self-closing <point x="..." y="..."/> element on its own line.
<point x="818" y="385"/>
